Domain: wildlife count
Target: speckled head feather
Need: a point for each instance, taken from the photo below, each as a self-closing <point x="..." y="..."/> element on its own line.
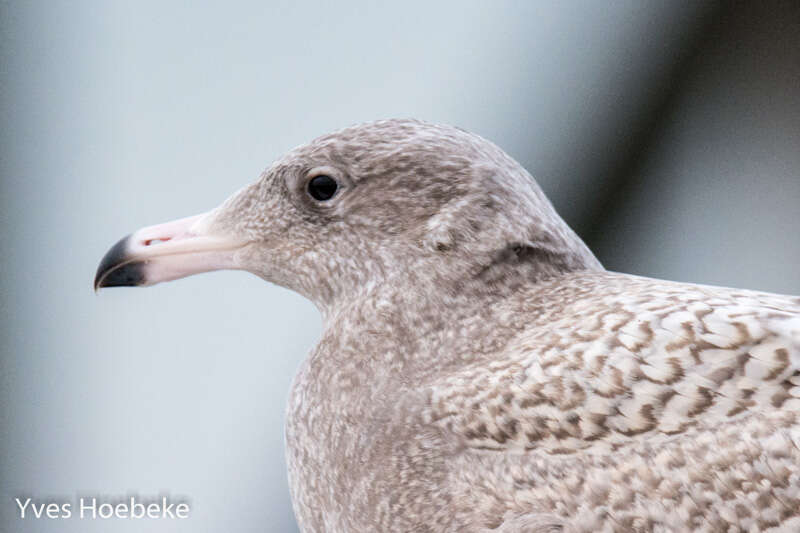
<point x="410" y="194"/>
<point x="478" y="370"/>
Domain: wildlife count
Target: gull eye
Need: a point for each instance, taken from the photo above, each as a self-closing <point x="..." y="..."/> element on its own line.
<point x="322" y="187"/>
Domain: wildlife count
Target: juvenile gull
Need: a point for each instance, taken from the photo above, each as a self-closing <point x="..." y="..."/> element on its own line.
<point x="479" y="370"/>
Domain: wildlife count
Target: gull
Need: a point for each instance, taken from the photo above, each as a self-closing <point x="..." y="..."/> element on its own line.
<point x="479" y="370"/>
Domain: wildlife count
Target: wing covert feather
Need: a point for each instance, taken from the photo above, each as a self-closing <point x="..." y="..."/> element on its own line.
<point x="639" y="357"/>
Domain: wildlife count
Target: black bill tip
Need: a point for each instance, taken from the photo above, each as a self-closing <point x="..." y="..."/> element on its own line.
<point x="117" y="270"/>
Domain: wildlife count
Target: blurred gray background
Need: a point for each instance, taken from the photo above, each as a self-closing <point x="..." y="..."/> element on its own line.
<point x="666" y="133"/>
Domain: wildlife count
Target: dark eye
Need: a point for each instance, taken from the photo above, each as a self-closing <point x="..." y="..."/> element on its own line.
<point x="322" y="187"/>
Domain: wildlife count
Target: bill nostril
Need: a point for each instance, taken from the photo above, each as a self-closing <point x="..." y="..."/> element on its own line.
<point x="150" y="242"/>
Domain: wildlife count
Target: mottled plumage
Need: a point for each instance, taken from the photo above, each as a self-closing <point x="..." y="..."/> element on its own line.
<point x="480" y="371"/>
